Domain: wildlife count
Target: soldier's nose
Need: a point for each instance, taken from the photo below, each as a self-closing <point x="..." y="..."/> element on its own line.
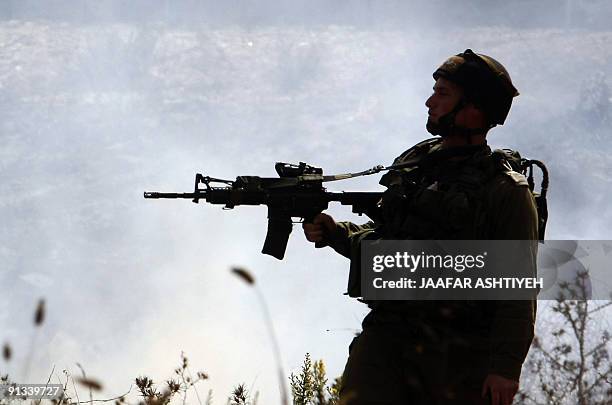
<point x="428" y="103"/>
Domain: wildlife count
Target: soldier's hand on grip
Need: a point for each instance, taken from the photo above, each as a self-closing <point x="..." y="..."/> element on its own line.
<point x="321" y="227"/>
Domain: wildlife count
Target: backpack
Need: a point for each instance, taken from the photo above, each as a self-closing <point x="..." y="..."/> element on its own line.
<point x="526" y="168"/>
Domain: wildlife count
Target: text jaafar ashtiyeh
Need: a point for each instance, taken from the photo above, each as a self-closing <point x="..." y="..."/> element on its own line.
<point x="461" y="283"/>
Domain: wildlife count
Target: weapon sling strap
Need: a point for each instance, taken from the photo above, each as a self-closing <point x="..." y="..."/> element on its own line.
<point x="521" y="165"/>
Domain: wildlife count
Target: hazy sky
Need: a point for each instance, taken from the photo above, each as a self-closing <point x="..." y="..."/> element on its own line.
<point x="98" y="106"/>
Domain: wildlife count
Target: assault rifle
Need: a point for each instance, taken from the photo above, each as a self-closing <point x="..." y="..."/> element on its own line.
<point x="298" y="192"/>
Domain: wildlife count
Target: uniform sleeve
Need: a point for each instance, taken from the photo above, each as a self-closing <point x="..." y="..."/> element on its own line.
<point x="347" y="241"/>
<point x="514" y="218"/>
<point x="346" y="236"/>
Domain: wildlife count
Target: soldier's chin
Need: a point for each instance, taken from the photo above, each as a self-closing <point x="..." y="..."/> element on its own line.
<point x="433" y="127"/>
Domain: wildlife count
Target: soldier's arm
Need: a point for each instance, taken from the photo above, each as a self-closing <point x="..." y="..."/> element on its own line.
<point x="346" y="240"/>
<point x="341" y="236"/>
<point x="514" y="217"/>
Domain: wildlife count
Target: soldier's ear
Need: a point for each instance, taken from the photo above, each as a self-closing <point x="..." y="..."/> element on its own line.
<point x="476" y="103"/>
<point x="475" y="113"/>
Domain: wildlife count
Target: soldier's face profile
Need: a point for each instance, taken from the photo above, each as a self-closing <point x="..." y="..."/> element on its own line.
<point x="446" y="95"/>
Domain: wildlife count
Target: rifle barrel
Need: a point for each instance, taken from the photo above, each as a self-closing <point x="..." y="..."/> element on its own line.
<point x="155" y="194"/>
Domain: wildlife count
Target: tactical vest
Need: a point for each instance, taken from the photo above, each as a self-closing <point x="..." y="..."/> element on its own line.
<point x="436" y="193"/>
<point x="441" y="196"/>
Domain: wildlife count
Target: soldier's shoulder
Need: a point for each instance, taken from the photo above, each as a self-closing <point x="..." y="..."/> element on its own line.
<point x="506" y="182"/>
<point x="506" y="162"/>
<point x="508" y="190"/>
<point x="508" y="195"/>
<point x="503" y="163"/>
<point x="515" y="178"/>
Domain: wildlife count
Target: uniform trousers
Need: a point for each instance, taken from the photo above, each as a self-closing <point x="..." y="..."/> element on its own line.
<point x="412" y="364"/>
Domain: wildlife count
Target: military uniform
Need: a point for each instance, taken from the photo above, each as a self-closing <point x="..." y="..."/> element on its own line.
<point x="423" y="352"/>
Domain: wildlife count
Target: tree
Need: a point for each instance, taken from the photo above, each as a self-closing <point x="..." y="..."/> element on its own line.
<point x="571" y="364"/>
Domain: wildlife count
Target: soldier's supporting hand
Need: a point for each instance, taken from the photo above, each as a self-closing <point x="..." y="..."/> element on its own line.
<point x="502" y="389"/>
<point x="320" y="229"/>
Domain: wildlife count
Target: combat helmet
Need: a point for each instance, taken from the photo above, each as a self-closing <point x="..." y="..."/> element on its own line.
<point x="486" y="84"/>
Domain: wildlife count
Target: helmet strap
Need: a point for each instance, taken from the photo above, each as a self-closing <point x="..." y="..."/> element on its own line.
<point x="447" y="126"/>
